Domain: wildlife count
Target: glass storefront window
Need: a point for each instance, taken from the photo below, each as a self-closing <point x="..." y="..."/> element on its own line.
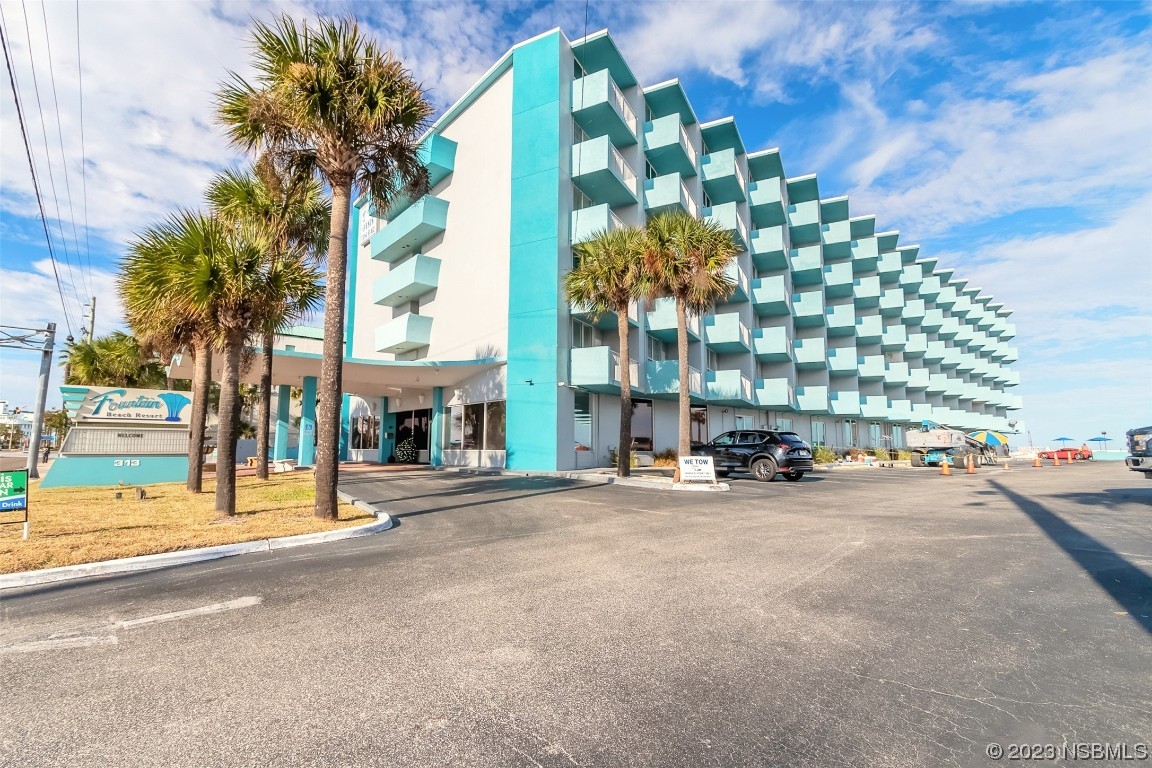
<point x="582" y="415"/>
<point x="365" y="433"/>
<point x="494" y="426"/>
<point x="476" y="426"/>
<point x="473" y="426"/>
<point x="642" y="425"/>
<point x="698" y="416"/>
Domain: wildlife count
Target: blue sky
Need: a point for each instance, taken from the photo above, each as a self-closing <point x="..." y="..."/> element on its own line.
<point x="1013" y="141"/>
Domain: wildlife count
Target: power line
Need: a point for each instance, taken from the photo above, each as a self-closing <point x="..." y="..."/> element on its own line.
<point x="32" y="167"/>
<point x="83" y="151"/>
<point x="63" y="155"/>
<point x="48" y="157"/>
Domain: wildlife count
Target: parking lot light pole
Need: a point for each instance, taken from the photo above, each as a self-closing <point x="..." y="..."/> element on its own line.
<point x="41" y="400"/>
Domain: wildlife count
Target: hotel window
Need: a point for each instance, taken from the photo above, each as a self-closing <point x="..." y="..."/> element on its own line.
<point x="656" y="349"/>
<point x="850" y="433"/>
<point x="707" y="200"/>
<point x="580" y="201"/>
<point x="817" y="432"/>
<point x="578" y="133"/>
<point x="582" y="418"/>
<point x="477" y="426"/>
<point x="584" y="335"/>
<point x="698" y="423"/>
<point x="784" y="425"/>
<point x="713" y="361"/>
<point x="874" y="434"/>
<point x="649" y="171"/>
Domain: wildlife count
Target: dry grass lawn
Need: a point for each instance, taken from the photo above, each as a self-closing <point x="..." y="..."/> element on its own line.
<point x="83" y="525"/>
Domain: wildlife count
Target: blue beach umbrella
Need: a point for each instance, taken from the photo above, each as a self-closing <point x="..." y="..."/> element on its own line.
<point x="1098" y="440"/>
<point x="1063" y="440"/>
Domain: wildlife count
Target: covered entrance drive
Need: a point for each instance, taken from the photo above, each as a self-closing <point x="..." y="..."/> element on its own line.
<point x="392" y="410"/>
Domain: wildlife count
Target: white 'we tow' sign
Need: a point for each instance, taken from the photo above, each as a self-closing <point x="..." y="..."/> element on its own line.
<point x="697" y="469"/>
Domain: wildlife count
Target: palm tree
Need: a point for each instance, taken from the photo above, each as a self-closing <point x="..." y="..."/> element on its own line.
<point x="685" y="258"/>
<point x="157" y="314"/>
<point x="607" y="277"/>
<point x="115" y="360"/>
<point x="217" y="275"/>
<point x="329" y="101"/>
<point x="293" y="209"/>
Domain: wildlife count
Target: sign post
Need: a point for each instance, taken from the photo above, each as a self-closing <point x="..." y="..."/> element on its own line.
<point x="697" y="469"/>
<point x="14" y="495"/>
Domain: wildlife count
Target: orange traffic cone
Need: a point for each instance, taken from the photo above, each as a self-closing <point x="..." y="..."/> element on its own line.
<point x="1037" y="462"/>
<point x="969" y="465"/>
<point x="1055" y="459"/>
<point x="1005" y="463"/>
<point x="945" y="467"/>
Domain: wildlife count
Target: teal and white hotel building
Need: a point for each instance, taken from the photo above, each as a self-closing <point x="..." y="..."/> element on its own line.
<point x="459" y="335"/>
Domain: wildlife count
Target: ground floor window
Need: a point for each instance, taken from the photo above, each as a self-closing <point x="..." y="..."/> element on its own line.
<point x="365" y="433"/>
<point x="784" y="425"/>
<point x="698" y="423"/>
<point x="477" y="426"/>
<point x="850" y="436"/>
<point x="874" y="434"/>
<point x="898" y="436"/>
<point x="582" y="418"/>
<point x="818" y="437"/>
<point x="642" y="425"/>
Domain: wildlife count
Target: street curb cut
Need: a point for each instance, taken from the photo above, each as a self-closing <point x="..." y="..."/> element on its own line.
<point x="183" y="557"/>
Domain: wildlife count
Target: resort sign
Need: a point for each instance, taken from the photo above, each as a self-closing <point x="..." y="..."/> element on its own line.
<point x="120" y="405"/>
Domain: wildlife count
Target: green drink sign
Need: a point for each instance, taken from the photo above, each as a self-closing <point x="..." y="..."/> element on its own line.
<point x="13" y="490"/>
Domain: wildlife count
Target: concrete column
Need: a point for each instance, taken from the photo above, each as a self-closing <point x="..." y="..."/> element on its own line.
<point x="436" y="438"/>
<point x="345" y="425"/>
<point x="308" y="424"/>
<point x="283" y="414"/>
<point x="385" y="445"/>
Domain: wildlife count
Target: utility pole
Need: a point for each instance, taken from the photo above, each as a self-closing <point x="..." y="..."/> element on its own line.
<point x="91" y="319"/>
<point x="41" y="400"/>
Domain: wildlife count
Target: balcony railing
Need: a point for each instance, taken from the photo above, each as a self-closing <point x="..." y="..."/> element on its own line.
<point x="633" y="370"/>
<point x="687" y="144"/>
<point x="624" y="171"/>
<point x="623" y="106"/>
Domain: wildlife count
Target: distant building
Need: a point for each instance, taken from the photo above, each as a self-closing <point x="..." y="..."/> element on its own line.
<point x="14" y="417"/>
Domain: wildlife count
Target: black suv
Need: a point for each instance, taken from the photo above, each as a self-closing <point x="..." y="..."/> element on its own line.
<point x="762" y="452"/>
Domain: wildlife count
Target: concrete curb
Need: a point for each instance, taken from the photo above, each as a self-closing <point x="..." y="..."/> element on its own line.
<point x="167" y="559"/>
<point x="594" y="477"/>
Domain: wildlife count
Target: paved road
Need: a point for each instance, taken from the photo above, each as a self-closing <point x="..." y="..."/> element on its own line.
<point x="860" y="617"/>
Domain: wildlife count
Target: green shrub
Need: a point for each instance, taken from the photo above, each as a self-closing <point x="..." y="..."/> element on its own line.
<point x="822" y="454"/>
<point x="614" y="458"/>
<point x="881" y="454"/>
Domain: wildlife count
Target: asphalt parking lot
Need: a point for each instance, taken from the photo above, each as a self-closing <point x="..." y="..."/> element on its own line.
<point x="858" y="617"/>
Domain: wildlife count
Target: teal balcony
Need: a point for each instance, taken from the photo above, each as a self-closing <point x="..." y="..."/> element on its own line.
<point x="667" y="146"/>
<point x="812" y="399"/>
<point x="842" y="361"/>
<point x="986" y="321"/>
<point x="844" y="403"/>
<point x="722" y="178"/>
<point x="917" y="345"/>
<point x="1012" y="355"/>
<point x="869" y="329"/>
<point x="946" y="297"/>
<point x="439" y="155"/>
<point x="933" y="319"/>
<point x="911" y="277"/>
<point x="668" y="193"/>
<point x="776" y="394"/>
<point x="808" y="309"/>
<point x="936" y="351"/>
<point x="836" y="237"/>
<point x="871" y="367"/>
<point x="726" y="334"/>
<point x="662" y="321"/>
<point x="930" y="287"/>
<point x="771" y="345"/>
<point x="770" y="297"/>
<point x="1009" y="331"/>
<point x="766" y="203"/>
<point x="837" y="279"/>
<point x="896" y="374"/>
<point x="600" y="108"/>
<point x="769" y="249"/>
<point x="804" y="222"/>
<point x="407" y="281"/>
<point x="997" y="352"/>
<point x="922" y="411"/>
<point x="865" y="255"/>
<point x="899" y="410"/>
<point x="807" y="265"/>
<point x="810" y="354"/>
<point x="890" y="266"/>
<point x="664" y="380"/>
<point x="937" y="383"/>
<point x="951" y="358"/>
<point x="963" y="306"/>
<point x="404" y="334"/>
<point x="598" y="369"/>
<point x="587" y="222"/>
<point x="965" y="337"/>
<point x="895" y="338"/>
<point x="410" y="230"/>
<point x="892" y="302"/>
<point x="949" y="328"/>
<point x="605" y="321"/>
<point x="727" y="216"/>
<point x="866" y="291"/>
<point x="917" y="379"/>
<point x="967" y="363"/>
<point x="739" y="278"/>
<point x="841" y="320"/>
<point x="728" y="387"/>
<point x="873" y="407"/>
<point x="913" y="312"/>
<point x="601" y="172"/>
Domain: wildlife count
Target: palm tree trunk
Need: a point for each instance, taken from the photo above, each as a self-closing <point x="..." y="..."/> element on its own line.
<point x="201" y="382"/>
<point x="685" y="446"/>
<point x="332" y="366"/>
<point x="265" y="407"/>
<point x="226" y="428"/>
<point x="624" y="455"/>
